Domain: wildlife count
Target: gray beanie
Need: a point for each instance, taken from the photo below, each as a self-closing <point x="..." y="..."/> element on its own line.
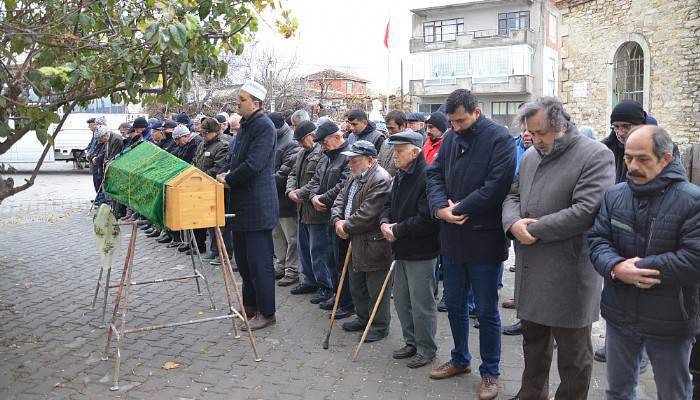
<point x="180" y="131"/>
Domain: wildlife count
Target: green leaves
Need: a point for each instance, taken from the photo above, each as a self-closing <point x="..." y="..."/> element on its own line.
<point x="117" y="48"/>
<point x="204" y="8"/>
<point x="10" y="5"/>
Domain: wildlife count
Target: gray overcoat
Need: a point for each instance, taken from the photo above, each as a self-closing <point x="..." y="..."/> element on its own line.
<point x="555" y="283"/>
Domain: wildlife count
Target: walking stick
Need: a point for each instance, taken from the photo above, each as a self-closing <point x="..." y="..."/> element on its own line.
<point x="374" y="312"/>
<point x="337" y="296"/>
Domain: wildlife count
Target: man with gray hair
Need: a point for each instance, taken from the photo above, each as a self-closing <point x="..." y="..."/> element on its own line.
<point x="645" y="243"/>
<point x="552" y="203"/>
<point x="297" y="117"/>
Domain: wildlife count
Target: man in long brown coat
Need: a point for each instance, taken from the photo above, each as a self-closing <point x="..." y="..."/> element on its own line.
<point x="552" y="203"/>
<point x="355" y="214"/>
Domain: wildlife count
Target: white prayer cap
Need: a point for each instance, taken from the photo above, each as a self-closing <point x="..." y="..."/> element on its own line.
<point x="254" y="89"/>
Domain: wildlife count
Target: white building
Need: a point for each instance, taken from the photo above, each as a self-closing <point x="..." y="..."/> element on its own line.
<point x="504" y="51"/>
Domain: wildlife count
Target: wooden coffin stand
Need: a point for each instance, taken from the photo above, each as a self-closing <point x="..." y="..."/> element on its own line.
<point x="192" y="200"/>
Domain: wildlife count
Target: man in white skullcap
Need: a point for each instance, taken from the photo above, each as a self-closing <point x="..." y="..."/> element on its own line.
<point x="253" y="200"/>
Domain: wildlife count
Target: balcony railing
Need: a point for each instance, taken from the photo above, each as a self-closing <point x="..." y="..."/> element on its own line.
<point x="473" y="39"/>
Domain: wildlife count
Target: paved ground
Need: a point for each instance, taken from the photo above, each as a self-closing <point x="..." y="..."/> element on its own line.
<point x="50" y="343"/>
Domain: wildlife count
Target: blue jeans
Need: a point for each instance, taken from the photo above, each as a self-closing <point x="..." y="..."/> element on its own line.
<point x="483" y="281"/>
<point x="471" y="303"/>
<point x="669" y="361"/>
<point x="312" y="246"/>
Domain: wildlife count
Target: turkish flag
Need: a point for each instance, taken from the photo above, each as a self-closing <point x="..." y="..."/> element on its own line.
<point x="386" y="35"/>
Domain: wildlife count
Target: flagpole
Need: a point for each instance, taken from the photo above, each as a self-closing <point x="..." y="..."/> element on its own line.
<point x="388" y="83"/>
<point x="388" y="59"/>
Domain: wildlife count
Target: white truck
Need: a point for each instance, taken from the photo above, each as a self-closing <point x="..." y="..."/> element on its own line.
<point x="74" y="136"/>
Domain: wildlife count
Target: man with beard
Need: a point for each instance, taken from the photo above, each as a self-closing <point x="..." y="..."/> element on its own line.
<point x="467" y="183"/>
<point x="355" y="216"/>
<point x="435" y="127"/>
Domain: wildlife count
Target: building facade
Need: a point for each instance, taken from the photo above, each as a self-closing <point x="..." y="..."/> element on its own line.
<point x="504" y="51"/>
<point x="645" y="50"/>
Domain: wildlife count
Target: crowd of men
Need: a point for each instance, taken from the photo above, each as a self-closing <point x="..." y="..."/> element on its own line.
<point x="445" y="197"/>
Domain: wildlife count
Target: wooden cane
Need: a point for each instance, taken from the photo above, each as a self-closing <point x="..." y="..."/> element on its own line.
<point x="337" y="295"/>
<point x="374" y="312"/>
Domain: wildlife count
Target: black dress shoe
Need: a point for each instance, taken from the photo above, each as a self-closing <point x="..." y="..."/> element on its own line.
<point x="353" y="326"/>
<point x="373" y="337"/>
<point x="154" y="234"/>
<point x="165" y="239"/>
<point x="303" y="288"/>
<point x="342" y="313"/>
<point x="149" y="230"/>
<point x="599" y="355"/>
<point x="173" y="244"/>
<point x="183" y="247"/>
<point x="404" y="352"/>
<point x="321" y="296"/>
<point x="328" y="304"/>
<point x="513" y="330"/>
<point x="441" y="307"/>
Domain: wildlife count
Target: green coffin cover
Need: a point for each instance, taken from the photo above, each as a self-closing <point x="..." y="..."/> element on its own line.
<point x="137" y="178"/>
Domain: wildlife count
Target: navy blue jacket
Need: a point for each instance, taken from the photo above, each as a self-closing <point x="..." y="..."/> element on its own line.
<point x="474" y="168"/>
<point x="660" y="223"/>
<point x="253" y="194"/>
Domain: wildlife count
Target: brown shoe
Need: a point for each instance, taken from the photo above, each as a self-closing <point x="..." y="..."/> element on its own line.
<point x="447" y="370"/>
<point x="510" y="303"/>
<point x="258" y="322"/>
<point x="287" y="280"/>
<point x="488" y="388"/>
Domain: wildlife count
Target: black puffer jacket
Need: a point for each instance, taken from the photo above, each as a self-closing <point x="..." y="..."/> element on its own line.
<point x="660" y="223"/>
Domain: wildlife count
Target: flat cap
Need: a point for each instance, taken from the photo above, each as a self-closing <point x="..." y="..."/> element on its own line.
<point x="406" y="137"/>
<point x="361" y="148"/>
<point x="325" y="129"/>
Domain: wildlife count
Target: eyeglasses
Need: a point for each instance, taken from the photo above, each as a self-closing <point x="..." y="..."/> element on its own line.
<point x="621" y="127"/>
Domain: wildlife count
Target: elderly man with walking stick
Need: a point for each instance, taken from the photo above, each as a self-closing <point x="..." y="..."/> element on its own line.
<point x="355" y="216"/>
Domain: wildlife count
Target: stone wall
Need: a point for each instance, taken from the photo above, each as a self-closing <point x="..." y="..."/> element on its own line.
<point x="669" y="33"/>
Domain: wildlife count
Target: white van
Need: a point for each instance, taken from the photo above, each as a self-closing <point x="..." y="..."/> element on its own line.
<point x="74" y="136"/>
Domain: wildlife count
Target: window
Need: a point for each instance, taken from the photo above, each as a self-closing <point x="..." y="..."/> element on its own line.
<point x="514" y="21"/>
<point x="101" y="106"/>
<point x="491" y="65"/>
<point x="628" y="73"/>
<point x="348" y="87"/>
<point x="428" y="108"/>
<point x="443" y="31"/>
<point x="504" y="111"/>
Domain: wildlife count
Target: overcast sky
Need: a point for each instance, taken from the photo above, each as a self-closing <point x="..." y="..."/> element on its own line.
<point x="348" y="36"/>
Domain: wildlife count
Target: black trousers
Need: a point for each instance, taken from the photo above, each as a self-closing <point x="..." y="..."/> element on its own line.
<point x="200" y="235"/>
<point x="338" y="252"/>
<point x="253" y="251"/>
<point x="575" y="361"/>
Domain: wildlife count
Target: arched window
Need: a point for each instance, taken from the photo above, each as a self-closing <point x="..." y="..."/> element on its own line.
<point x="628" y="73"/>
